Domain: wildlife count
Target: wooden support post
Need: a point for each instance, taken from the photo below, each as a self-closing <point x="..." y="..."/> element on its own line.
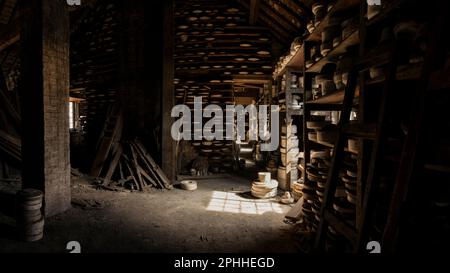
<point x="363" y="160"/>
<point x="113" y="165"/>
<point x="254" y="10"/>
<point x="45" y="97"/>
<point x="134" y="95"/>
<point x="169" y="161"/>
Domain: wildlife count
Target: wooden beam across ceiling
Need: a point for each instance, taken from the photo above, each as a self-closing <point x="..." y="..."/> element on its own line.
<point x="278" y="32"/>
<point x="277" y="18"/>
<point x="299" y="7"/>
<point x="283" y="16"/>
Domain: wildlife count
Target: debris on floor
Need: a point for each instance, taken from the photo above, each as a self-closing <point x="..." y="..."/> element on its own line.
<point x="87" y="204"/>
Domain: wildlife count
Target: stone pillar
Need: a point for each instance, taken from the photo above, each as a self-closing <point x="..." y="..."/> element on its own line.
<point x="45" y="96"/>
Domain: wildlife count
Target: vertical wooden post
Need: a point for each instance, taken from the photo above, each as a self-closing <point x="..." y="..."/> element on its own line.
<point x="254" y="10"/>
<point x="133" y="93"/>
<point x="168" y="96"/>
<point x="45" y="98"/>
<point x="363" y="160"/>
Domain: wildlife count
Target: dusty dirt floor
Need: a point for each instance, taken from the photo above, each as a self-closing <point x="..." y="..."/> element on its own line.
<point x="220" y="217"/>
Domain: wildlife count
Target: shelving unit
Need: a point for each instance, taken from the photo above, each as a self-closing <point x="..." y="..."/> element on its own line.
<point x="287" y="89"/>
<point x="297" y="59"/>
<point x="369" y="129"/>
<point x="333" y="98"/>
<point x="352" y="40"/>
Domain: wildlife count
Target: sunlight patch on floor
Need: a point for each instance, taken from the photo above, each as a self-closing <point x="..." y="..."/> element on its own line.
<point x="233" y="203"/>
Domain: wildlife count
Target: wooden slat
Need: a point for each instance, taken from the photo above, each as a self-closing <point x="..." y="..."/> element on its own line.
<point x="341" y="227"/>
<point x="154" y="166"/>
<point x="136" y="166"/>
<point x="113" y="165"/>
<point x="9" y="34"/>
<point x="127" y="164"/>
<point x="146" y="176"/>
<point x="149" y="167"/>
<point x="106" y="143"/>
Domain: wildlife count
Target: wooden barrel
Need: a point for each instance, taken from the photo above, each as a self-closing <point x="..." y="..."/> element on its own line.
<point x="32" y="232"/>
<point x="28" y="216"/>
<point x="30" y="222"/>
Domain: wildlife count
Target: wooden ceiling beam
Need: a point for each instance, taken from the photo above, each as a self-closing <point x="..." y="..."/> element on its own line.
<point x="300" y="7"/>
<point x="278" y="32"/>
<point x="298" y="16"/>
<point x="278" y="18"/>
<point x="289" y="18"/>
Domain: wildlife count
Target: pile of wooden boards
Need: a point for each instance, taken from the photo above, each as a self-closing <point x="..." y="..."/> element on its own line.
<point x="10" y="147"/>
<point x="133" y="168"/>
<point x="125" y="163"/>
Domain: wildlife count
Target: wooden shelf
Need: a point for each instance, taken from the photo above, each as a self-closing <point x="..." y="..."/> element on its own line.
<point x="351" y="40"/>
<point x="343" y="227"/>
<point x="295" y="112"/>
<point x="251" y="79"/>
<point x="297" y="60"/>
<point x="410" y="72"/>
<point x="333" y="98"/>
<point x="339" y="6"/>
<point x="438" y="168"/>
<point x="321" y="143"/>
<point x="385" y="13"/>
<point x="378" y="56"/>
<point x="365" y="131"/>
<point x="331" y="146"/>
